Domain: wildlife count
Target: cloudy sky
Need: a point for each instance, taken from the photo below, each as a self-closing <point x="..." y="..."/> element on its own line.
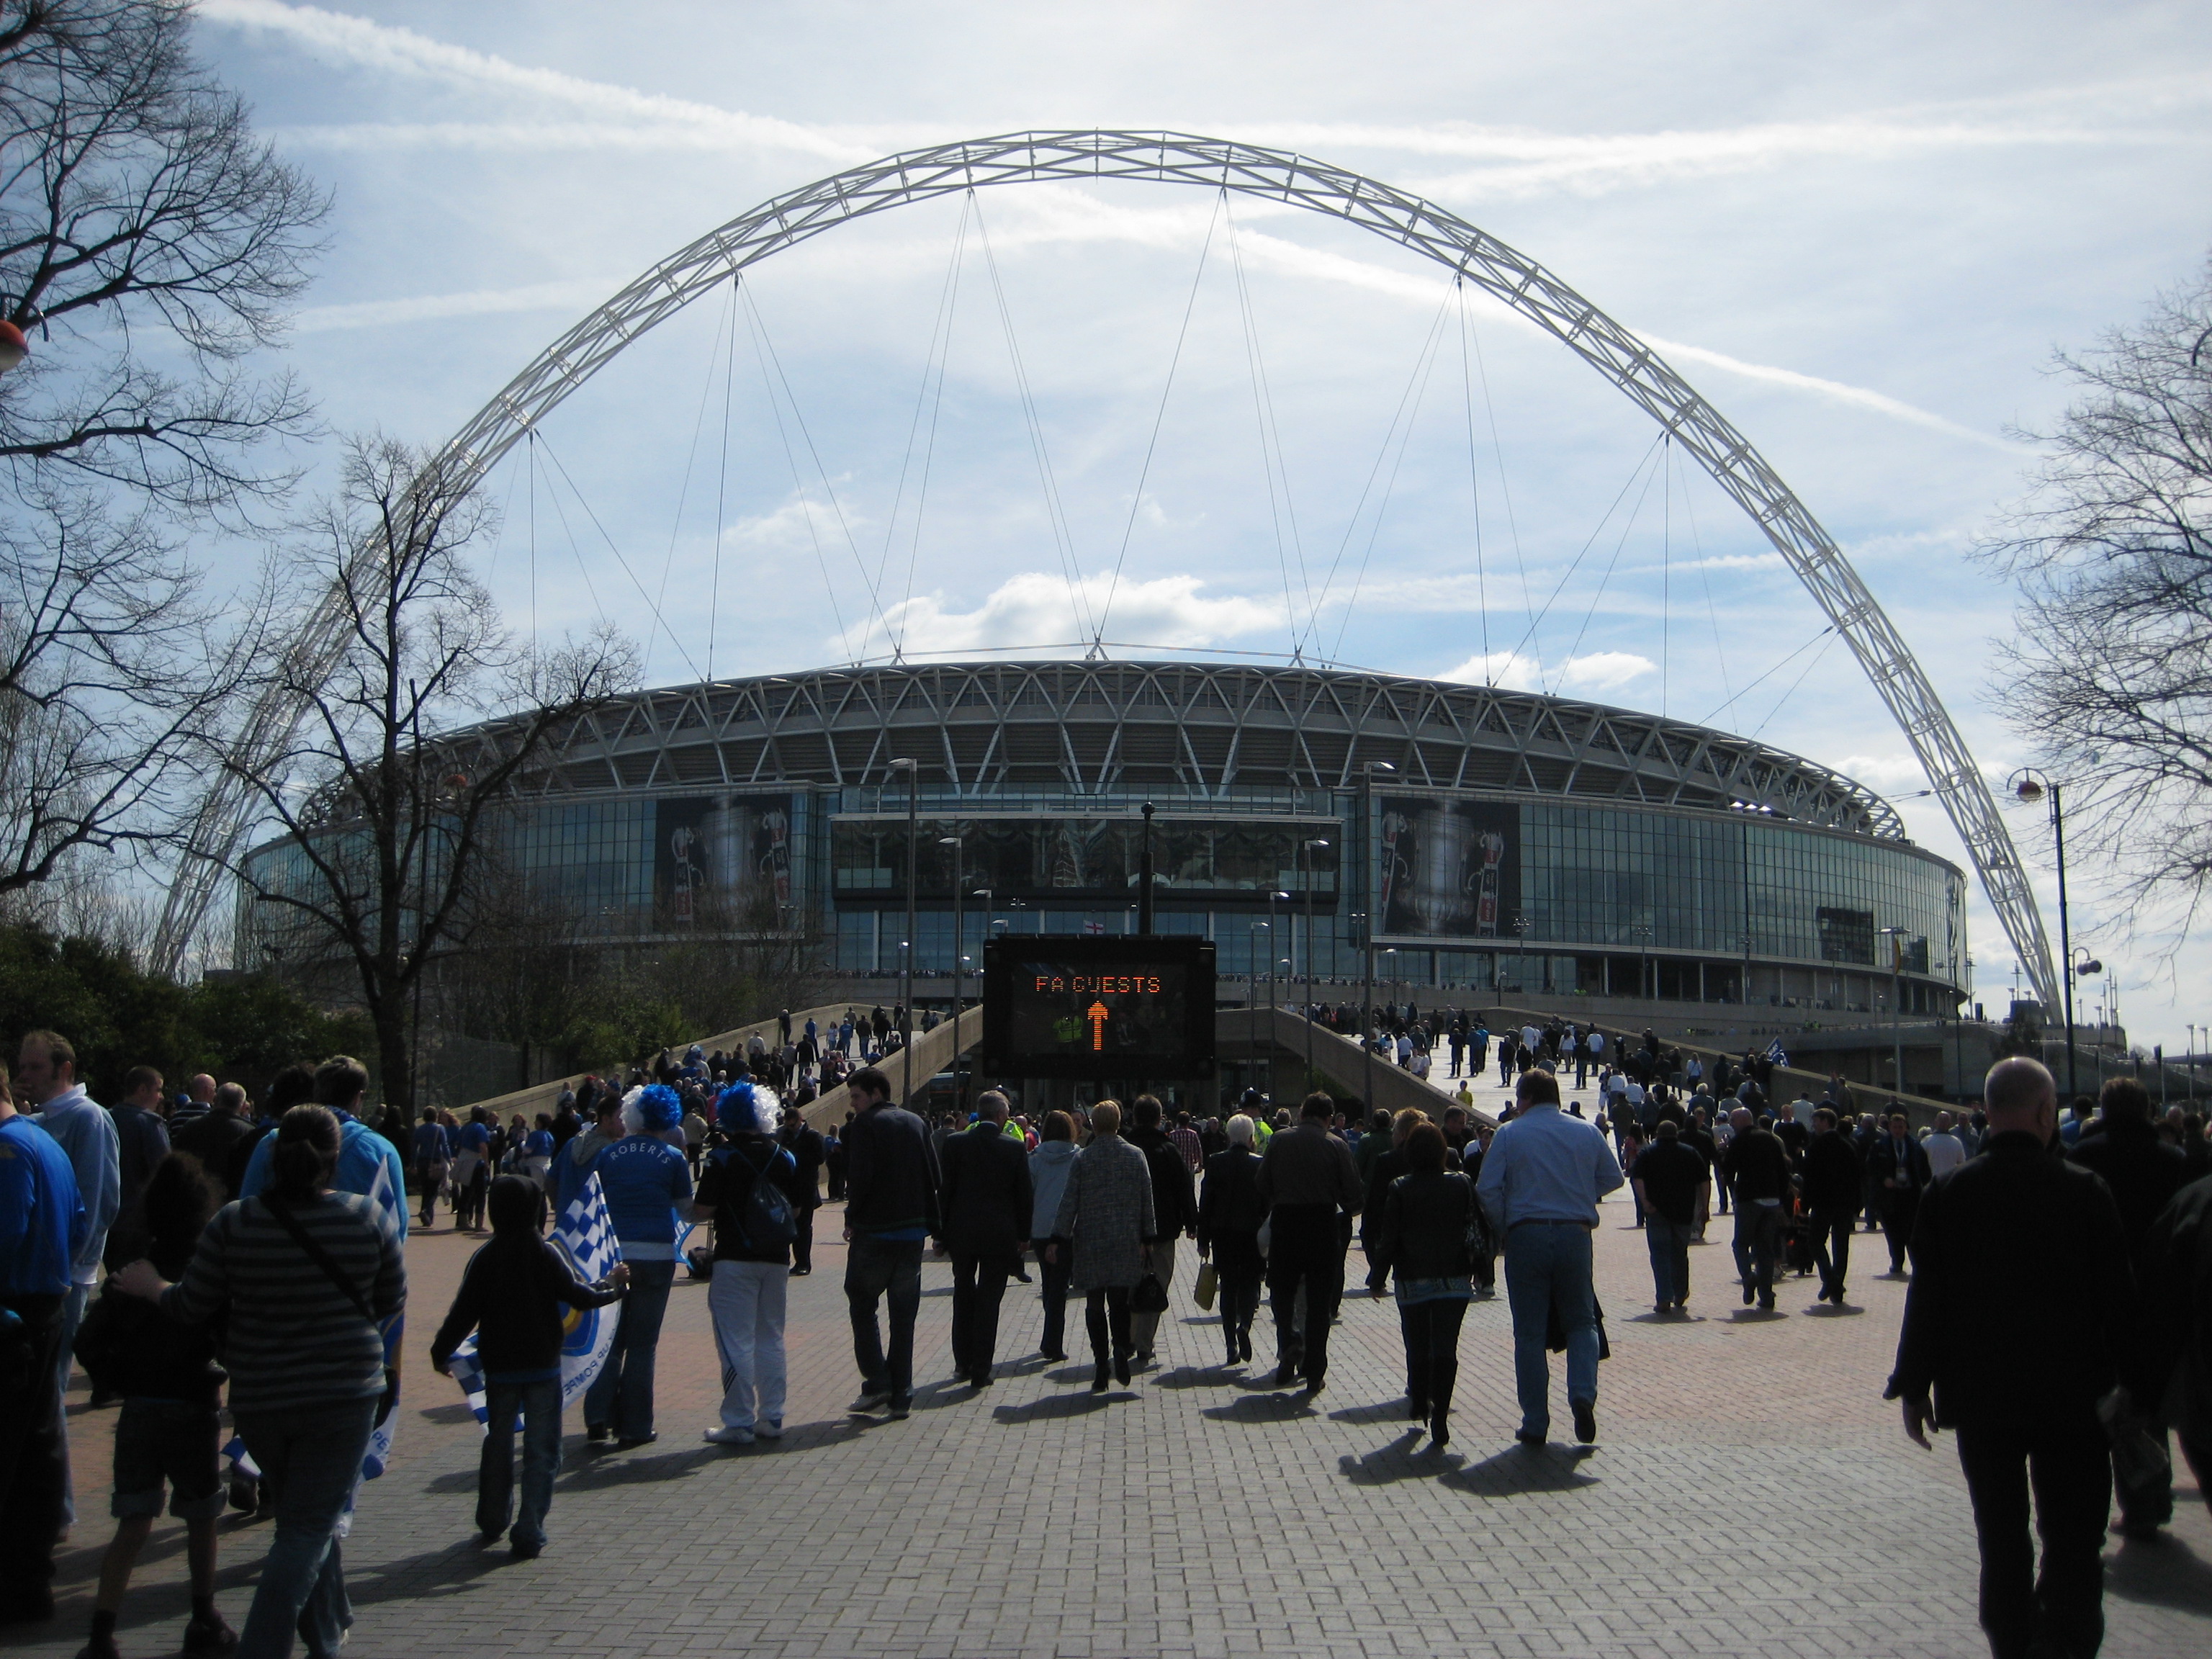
<point x="1136" y="412"/>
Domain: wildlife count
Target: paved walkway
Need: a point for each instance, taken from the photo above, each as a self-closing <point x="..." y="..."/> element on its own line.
<point x="1751" y="1495"/>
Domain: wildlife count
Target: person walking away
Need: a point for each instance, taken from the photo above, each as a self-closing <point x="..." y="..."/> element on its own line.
<point x="537" y="1150"/>
<point x="645" y="1179"/>
<point x="1757" y="1169"/>
<point x="514" y="1294"/>
<point x="1175" y="1214"/>
<point x="2021" y="1315"/>
<point x="890" y="1208"/>
<point x="807" y="1152"/>
<point x="1050" y="1166"/>
<point x="169" y="1430"/>
<point x="142" y="1142"/>
<point x="45" y="1075"/>
<point x="1541" y="1183"/>
<point x="2145" y="1174"/>
<point x="1900" y="1169"/>
<point x="44" y="1228"/>
<point x="1106" y="1210"/>
<point x="988" y="1204"/>
<point x="753" y="1241"/>
<point x="2178" y="1300"/>
<point x="304" y="1277"/>
<point x="1421" y="1247"/>
<point x="1945" y="1148"/>
<point x="1307" y="1179"/>
<point x="214" y="1137"/>
<point x="473" y="1168"/>
<point x="1231" y="1214"/>
<point x="832" y="1163"/>
<point x="1833" y="1181"/>
<point x="1675" y="1188"/>
<point x="431" y="1153"/>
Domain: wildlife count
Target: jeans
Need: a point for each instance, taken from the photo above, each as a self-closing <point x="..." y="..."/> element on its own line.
<point x="1431" y="1332"/>
<point x="1056" y="1275"/>
<point x="1832" y="1248"/>
<point x="1242" y="1268"/>
<point x="802" y="1243"/>
<point x="1669" y="1244"/>
<point x="1548" y="1267"/>
<point x="539" y="1403"/>
<point x="889" y="1268"/>
<point x="746" y="1302"/>
<point x="1900" y="1209"/>
<point x="2060" y="1450"/>
<point x="310" y="1458"/>
<point x="1106" y="1315"/>
<point x="34" y="1463"/>
<point x="1757" y="1245"/>
<point x="1305" y="1250"/>
<point x="1144" y="1328"/>
<point x="979" y="1284"/>
<point x="74" y="1301"/>
<point x="621" y="1396"/>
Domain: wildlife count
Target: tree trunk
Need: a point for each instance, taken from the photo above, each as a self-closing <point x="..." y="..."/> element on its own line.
<point x="389" y="1015"/>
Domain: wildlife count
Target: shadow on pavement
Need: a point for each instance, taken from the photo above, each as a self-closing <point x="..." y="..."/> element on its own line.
<point x="450" y="1571"/>
<point x="1381" y="1414"/>
<point x="1521" y="1469"/>
<point x="1058" y="1405"/>
<point x="629" y="1469"/>
<point x="2166" y="1574"/>
<point x="457" y="1412"/>
<point x="1270" y="1407"/>
<point x="1194" y="1376"/>
<point x="1401" y="1460"/>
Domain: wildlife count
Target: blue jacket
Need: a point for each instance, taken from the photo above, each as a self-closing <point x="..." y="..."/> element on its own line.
<point x="363" y="1155"/>
<point x="43" y="1224"/>
<point x="644" y="1179"/>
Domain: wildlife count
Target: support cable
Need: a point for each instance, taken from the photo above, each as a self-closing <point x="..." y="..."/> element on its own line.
<point x="1598" y="594"/>
<point x="1771" y="671"/>
<point x="1712" y="610"/>
<point x="1137" y="500"/>
<point x="1272" y="463"/>
<point x="1537" y="620"/>
<point x="721" y="495"/>
<point x="1665" y="562"/>
<point x="941" y="333"/>
<point x="1474" y="475"/>
<point x="619" y="559"/>
<point x="1504" y="484"/>
<point x="722" y="325"/>
<point x="1063" y="535"/>
<point x="1794" y="684"/>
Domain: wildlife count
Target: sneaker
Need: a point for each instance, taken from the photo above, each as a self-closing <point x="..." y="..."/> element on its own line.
<point x="724" y="1435"/>
<point x="768" y="1428"/>
<point x="1585" y="1420"/>
<point x="210" y="1635"/>
<point x="870" y="1399"/>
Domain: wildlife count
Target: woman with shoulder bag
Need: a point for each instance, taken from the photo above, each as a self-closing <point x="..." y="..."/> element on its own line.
<point x="305" y="1279"/>
<point x="1231" y="1214"/>
<point x="1106" y="1210"/>
<point x="1427" y="1243"/>
<point x="433" y="1152"/>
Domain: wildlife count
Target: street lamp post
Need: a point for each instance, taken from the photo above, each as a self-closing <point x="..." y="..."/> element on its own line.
<point x="1370" y="884"/>
<point x="1252" y="995"/>
<point x="1521" y="926"/>
<point x="912" y="771"/>
<point x="1643" y="932"/>
<point x="959" y="945"/>
<point x="2087" y="967"/>
<point x="1272" y="959"/>
<point x="1896" y="938"/>
<point x="1306" y="853"/>
<point x="2030" y="786"/>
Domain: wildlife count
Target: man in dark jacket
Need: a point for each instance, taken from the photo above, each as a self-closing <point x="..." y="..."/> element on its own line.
<point x="805" y="1146"/>
<point x="988" y="1200"/>
<point x="1307" y="1179"/>
<point x="1174" y="1211"/>
<point x="1757" y="1169"/>
<point x="212" y="1137"/>
<point x="2145" y="1174"/>
<point x="144" y="1142"/>
<point x="1834" y="1180"/>
<point x="2178" y="1298"/>
<point x="890" y="1208"/>
<point x="2021" y="1315"/>
<point x="1899" y="1168"/>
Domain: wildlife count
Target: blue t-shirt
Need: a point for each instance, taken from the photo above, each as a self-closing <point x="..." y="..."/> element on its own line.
<point x="644" y="1179"/>
<point x="431" y="1146"/>
<point x="539" y="1144"/>
<point x="43" y="1224"/>
<point x="475" y="1137"/>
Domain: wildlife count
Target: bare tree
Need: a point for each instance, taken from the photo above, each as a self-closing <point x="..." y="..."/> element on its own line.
<point x="148" y="246"/>
<point x="385" y="804"/>
<point x="2111" y="666"/>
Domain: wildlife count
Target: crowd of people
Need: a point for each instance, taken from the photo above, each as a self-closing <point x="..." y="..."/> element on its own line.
<point x="2059" y="1314"/>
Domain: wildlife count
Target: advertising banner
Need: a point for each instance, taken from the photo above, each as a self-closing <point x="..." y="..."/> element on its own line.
<point x="1446" y="868"/>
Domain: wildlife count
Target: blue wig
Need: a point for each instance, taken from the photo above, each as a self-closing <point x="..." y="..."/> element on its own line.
<point x="658" y="1108"/>
<point x="745" y="1106"/>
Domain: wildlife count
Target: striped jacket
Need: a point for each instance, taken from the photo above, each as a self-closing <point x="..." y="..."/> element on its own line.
<point x="293" y="1339"/>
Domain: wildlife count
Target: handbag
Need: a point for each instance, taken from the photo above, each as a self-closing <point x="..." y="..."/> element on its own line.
<point x="1150" y="1296"/>
<point x="1209" y="1282"/>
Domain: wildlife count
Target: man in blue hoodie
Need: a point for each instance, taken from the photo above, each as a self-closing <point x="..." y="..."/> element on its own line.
<point x="644" y="1177"/>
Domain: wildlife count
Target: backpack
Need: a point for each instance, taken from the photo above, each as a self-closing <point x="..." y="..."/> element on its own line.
<point x="766" y="1219"/>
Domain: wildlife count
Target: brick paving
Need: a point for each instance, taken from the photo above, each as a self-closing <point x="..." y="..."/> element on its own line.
<point x="1751" y="1495"/>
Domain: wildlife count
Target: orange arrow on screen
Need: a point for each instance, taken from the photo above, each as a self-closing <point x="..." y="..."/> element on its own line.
<point x="1097" y="1014"/>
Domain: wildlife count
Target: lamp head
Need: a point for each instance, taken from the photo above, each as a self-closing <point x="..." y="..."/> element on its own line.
<point x="2028" y="789"/>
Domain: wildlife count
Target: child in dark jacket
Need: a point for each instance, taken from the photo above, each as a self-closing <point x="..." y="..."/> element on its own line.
<point x="513" y="1294"/>
<point x="168" y="1431"/>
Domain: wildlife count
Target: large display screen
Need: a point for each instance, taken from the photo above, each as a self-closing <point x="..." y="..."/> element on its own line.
<point x="1078" y="1006"/>
<point x="1449" y="868"/>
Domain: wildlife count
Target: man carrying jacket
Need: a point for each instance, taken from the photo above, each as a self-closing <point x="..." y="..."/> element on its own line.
<point x="890" y="1208"/>
<point x="2022" y="1314"/>
<point x="1174" y="1212"/>
<point x="2145" y="1174"/>
<point x="987" y="1205"/>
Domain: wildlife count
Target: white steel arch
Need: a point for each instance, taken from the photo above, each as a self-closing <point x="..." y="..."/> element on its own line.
<point x="1274" y="175"/>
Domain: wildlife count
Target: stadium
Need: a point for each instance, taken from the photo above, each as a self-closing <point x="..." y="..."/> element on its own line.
<point x="1501" y="842"/>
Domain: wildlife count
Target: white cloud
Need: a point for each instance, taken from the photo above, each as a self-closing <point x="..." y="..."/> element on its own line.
<point x="575" y="294"/>
<point x="1883" y="773"/>
<point x="1593" y="673"/>
<point x="1036" y="611"/>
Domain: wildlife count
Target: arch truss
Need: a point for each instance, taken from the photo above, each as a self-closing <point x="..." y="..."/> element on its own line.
<point x="1507" y="276"/>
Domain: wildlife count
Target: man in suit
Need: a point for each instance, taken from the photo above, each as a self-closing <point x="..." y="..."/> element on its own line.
<point x="2022" y="1314"/>
<point x="988" y="1200"/>
<point x="1899" y="1169"/>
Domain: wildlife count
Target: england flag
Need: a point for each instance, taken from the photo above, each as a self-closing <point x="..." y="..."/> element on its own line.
<point x="583" y="1236"/>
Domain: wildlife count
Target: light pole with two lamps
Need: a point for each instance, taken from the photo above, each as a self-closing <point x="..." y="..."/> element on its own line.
<point x="1370" y="885"/>
<point x="2029" y="784"/>
<point x="1306" y="879"/>
<point x="912" y="771"/>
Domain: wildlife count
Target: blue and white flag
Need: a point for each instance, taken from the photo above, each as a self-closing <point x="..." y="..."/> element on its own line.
<point x="583" y="1236"/>
<point x="1774" y="1052"/>
<point x="390" y="1203"/>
